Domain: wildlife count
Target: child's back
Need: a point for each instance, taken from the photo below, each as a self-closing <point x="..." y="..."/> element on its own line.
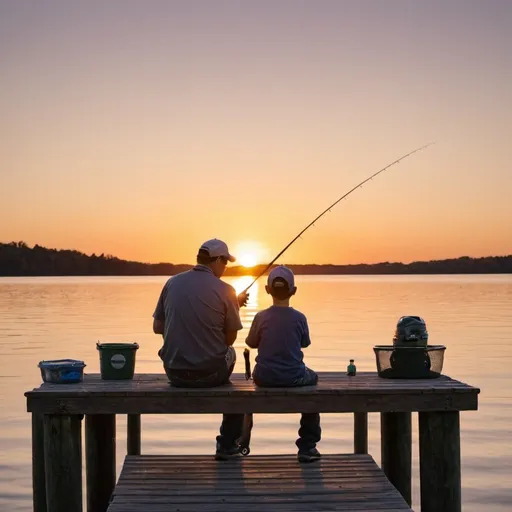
<point x="280" y="333"/>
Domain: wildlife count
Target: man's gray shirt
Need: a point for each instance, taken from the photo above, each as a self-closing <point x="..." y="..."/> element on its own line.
<point x="197" y="309"/>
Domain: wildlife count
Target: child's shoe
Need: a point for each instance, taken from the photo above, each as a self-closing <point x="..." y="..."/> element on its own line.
<point x="308" y="455"/>
<point x="227" y="453"/>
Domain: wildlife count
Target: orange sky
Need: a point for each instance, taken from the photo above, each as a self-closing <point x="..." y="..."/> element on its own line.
<point x="142" y="132"/>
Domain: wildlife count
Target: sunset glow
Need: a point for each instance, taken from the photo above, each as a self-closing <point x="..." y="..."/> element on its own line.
<point x="247" y="260"/>
<point x="186" y="122"/>
<point x="249" y="253"/>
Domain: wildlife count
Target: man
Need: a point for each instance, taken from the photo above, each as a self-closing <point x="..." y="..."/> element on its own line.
<point x="198" y="316"/>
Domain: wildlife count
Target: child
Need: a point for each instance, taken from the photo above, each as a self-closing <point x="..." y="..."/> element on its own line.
<point x="279" y="333"/>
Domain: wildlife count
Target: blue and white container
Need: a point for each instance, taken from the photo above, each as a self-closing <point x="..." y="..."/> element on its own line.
<point x="62" y="371"/>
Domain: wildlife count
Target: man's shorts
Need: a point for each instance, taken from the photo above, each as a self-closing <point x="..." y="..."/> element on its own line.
<point x="204" y="378"/>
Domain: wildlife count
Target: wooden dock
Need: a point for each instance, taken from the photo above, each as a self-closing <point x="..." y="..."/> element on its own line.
<point x="58" y="410"/>
<point x="254" y="484"/>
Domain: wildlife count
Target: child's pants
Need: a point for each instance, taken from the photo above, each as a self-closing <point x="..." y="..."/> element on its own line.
<point x="309" y="432"/>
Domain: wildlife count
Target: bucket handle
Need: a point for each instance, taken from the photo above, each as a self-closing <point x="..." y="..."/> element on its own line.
<point x="135" y="345"/>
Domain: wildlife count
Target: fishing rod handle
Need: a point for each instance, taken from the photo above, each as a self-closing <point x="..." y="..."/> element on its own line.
<point x="247" y="363"/>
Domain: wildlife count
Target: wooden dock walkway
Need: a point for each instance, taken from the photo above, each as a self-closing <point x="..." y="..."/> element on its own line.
<point x="254" y="484"/>
<point x="58" y="410"/>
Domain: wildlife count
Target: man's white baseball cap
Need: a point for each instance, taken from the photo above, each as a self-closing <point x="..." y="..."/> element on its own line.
<point x="284" y="273"/>
<point x="216" y="249"/>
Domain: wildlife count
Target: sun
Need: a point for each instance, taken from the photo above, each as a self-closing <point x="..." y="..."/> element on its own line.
<point x="247" y="259"/>
<point x="249" y="253"/>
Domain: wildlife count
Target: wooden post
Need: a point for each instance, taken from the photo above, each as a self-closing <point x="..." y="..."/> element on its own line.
<point x="440" y="461"/>
<point x="360" y="432"/>
<point x="100" y="450"/>
<point x="38" y="471"/>
<point x="396" y="447"/>
<point x="63" y="462"/>
<point x="133" y="434"/>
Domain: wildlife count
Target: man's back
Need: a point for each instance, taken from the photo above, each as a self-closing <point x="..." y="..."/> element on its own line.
<point x="198" y="309"/>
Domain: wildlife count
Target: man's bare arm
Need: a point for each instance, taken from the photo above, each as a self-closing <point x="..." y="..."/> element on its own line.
<point x="230" y="337"/>
<point x="158" y="326"/>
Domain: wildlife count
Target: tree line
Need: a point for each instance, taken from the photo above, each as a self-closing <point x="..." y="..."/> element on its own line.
<point x="18" y="259"/>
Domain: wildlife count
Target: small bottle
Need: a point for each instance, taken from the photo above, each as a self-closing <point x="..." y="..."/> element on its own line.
<point x="351" y="368"/>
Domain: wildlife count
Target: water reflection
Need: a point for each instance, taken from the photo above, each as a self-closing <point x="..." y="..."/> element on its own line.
<point x="241" y="283"/>
<point x="248" y="312"/>
<point x="56" y="318"/>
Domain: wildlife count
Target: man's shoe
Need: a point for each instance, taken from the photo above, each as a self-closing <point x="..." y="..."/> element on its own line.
<point x="227" y="453"/>
<point x="308" y="455"/>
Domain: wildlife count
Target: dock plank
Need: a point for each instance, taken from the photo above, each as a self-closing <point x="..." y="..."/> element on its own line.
<point x="335" y="392"/>
<point x="253" y="484"/>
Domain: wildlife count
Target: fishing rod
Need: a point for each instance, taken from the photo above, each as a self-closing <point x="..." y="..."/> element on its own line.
<point x="332" y="205"/>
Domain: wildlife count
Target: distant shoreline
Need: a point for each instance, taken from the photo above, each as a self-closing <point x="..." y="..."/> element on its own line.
<point x="17" y="259"/>
<point x="253" y="275"/>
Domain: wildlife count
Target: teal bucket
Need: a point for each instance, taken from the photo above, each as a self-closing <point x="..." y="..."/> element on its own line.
<point x="117" y="360"/>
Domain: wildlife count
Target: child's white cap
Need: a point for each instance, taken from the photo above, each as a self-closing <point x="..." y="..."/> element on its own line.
<point x="284" y="273"/>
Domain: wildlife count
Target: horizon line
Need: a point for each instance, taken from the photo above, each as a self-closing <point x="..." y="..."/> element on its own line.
<point x="22" y="245"/>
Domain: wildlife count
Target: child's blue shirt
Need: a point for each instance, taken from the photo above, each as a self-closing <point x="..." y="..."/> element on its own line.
<point x="279" y="334"/>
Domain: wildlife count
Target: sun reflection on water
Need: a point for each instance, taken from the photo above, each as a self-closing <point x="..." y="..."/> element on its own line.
<point x="247" y="313"/>
<point x="241" y="283"/>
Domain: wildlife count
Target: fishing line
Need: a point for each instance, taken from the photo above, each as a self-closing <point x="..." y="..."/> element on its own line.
<point x="334" y="204"/>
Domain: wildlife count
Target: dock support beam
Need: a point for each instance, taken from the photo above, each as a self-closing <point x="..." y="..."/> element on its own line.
<point x="133" y="434"/>
<point x="396" y="443"/>
<point x="100" y="450"/>
<point x="440" y="461"/>
<point x="63" y="462"/>
<point x="38" y="471"/>
<point x="360" y="432"/>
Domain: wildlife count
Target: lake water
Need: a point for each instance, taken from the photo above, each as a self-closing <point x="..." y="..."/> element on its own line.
<point x="53" y="318"/>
